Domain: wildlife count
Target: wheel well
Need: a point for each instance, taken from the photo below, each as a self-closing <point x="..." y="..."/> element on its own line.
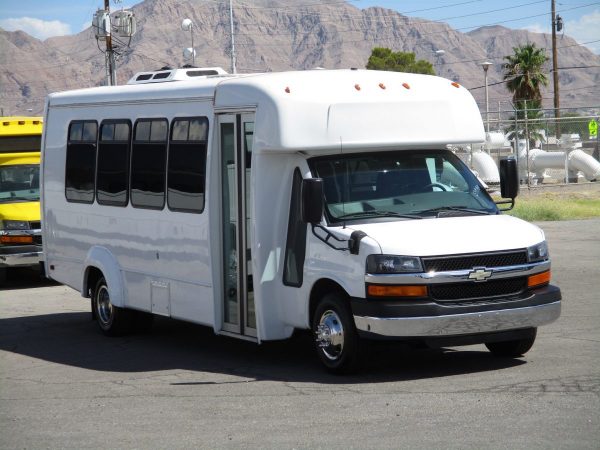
<point x="92" y="277"/>
<point x="320" y="289"/>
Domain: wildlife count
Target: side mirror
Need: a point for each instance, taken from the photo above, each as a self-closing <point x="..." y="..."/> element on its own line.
<point x="509" y="178"/>
<point x="312" y="200"/>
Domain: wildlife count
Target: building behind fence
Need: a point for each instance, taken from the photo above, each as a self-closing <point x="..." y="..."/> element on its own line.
<point x="549" y="150"/>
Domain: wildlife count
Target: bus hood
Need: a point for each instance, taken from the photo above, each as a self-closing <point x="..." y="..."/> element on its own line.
<point x="27" y="211"/>
<point x="452" y="235"/>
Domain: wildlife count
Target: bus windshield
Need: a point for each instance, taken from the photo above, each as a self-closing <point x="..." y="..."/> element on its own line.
<point x="19" y="183"/>
<point x="400" y="184"/>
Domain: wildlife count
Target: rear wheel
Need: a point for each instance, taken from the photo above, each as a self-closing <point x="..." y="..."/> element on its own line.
<point x="512" y="349"/>
<point x="335" y="336"/>
<point x="113" y="321"/>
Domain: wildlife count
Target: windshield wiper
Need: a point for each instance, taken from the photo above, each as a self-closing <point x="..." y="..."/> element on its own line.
<point x="378" y="213"/>
<point x="453" y="208"/>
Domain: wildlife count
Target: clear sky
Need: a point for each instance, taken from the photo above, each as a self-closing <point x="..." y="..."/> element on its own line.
<point x="46" y="18"/>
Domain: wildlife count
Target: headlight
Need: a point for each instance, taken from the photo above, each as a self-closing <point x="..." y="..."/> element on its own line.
<point x="393" y="264"/>
<point x="538" y="252"/>
<point x="14" y="225"/>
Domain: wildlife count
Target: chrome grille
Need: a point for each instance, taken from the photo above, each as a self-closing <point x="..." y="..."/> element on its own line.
<point x="468" y="261"/>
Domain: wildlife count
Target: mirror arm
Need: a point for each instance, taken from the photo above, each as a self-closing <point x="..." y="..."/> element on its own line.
<point x="506" y="202"/>
<point x="328" y="236"/>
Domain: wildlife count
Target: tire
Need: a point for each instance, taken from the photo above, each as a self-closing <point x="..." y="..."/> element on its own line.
<point x="112" y="320"/>
<point x="3" y="276"/>
<point x="335" y="336"/>
<point x="512" y="349"/>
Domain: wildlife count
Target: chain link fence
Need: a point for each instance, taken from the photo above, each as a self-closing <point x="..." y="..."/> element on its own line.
<point x="549" y="150"/>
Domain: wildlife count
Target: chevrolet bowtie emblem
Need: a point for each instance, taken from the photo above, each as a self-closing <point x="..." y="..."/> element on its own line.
<point x="480" y="274"/>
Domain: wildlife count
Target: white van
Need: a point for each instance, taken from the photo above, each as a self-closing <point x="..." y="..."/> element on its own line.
<point x="261" y="204"/>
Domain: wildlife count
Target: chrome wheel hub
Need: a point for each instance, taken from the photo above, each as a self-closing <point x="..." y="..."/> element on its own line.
<point x="330" y="335"/>
<point x="104" y="306"/>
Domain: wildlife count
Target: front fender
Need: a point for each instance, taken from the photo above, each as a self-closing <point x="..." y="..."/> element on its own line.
<point x="102" y="259"/>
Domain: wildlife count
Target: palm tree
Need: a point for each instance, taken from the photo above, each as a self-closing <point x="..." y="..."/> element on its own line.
<point x="523" y="73"/>
<point x="524" y="78"/>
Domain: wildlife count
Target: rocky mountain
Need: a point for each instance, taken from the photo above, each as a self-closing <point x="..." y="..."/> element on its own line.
<point x="273" y="35"/>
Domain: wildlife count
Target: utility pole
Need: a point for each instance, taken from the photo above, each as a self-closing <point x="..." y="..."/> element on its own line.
<point x="555" y="70"/>
<point x="111" y="69"/>
<point x="232" y="38"/>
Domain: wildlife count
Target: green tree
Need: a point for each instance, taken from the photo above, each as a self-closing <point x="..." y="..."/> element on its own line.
<point x="523" y="73"/>
<point x="385" y="59"/>
<point x="524" y="76"/>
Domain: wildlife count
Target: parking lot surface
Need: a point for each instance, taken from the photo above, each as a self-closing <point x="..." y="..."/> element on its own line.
<point x="64" y="385"/>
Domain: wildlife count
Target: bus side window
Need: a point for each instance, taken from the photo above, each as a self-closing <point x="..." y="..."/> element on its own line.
<point x="113" y="162"/>
<point x="81" y="161"/>
<point x="295" y="247"/>
<point x="148" y="163"/>
<point x="187" y="164"/>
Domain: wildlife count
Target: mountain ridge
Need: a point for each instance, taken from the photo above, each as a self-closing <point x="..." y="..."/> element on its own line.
<point x="275" y="35"/>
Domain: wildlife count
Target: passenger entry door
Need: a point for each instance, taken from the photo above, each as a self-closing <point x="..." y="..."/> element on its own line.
<point x="236" y="132"/>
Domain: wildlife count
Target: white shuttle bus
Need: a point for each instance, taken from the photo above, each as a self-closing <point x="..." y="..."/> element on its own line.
<point x="262" y="204"/>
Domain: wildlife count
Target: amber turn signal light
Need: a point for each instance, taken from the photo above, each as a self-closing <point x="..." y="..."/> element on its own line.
<point x="538" y="279"/>
<point x="16" y="239"/>
<point x="386" y="290"/>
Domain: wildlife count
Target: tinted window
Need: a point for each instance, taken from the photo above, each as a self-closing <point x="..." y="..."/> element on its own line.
<point x="113" y="163"/>
<point x="148" y="161"/>
<point x="187" y="164"/>
<point x="296" y="238"/>
<point x="81" y="161"/>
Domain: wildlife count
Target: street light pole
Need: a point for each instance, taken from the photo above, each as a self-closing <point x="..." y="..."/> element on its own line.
<point x="486" y="65"/>
<point x="233" y="61"/>
<point x="186" y="25"/>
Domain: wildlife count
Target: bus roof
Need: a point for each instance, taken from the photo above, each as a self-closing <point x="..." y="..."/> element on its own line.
<point x="20" y="126"/>
<point x="318" y="111"/>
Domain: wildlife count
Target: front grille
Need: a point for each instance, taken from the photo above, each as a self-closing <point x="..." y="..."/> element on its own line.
<point x="36" y="225"/>
<point x="472" y="290"/>
<point x="464" y="262"/>
<point x="37" y="240"/>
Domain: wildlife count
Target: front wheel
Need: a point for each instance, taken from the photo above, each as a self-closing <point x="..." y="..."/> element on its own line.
<point x="512" y="349"/>
<point x="113" y="321"/>
<point x="335" y="336"/>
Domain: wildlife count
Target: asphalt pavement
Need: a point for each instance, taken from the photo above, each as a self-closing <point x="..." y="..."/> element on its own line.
<point x="64" y="385"/>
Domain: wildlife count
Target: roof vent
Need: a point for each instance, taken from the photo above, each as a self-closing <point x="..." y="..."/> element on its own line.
<point x="167" y="74"/>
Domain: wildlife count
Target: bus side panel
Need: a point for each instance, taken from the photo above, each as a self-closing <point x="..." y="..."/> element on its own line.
<point x="64" y="257"/>
<point x="161" y="253"/>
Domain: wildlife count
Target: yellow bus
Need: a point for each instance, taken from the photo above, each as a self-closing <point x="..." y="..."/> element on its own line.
<point x="20" y="227"/>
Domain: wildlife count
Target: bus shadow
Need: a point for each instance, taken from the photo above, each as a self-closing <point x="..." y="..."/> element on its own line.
<point x="73" y="339"/>
<point x="25" y="278"/>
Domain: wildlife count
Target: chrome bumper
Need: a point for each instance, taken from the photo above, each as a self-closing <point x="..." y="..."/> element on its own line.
<point x="19" y="256"/>
<point x="460" y="324"/>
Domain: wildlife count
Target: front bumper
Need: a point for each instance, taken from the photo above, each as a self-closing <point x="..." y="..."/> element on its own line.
<point x="20" y="255"/>
<point x="429" y="319"/>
